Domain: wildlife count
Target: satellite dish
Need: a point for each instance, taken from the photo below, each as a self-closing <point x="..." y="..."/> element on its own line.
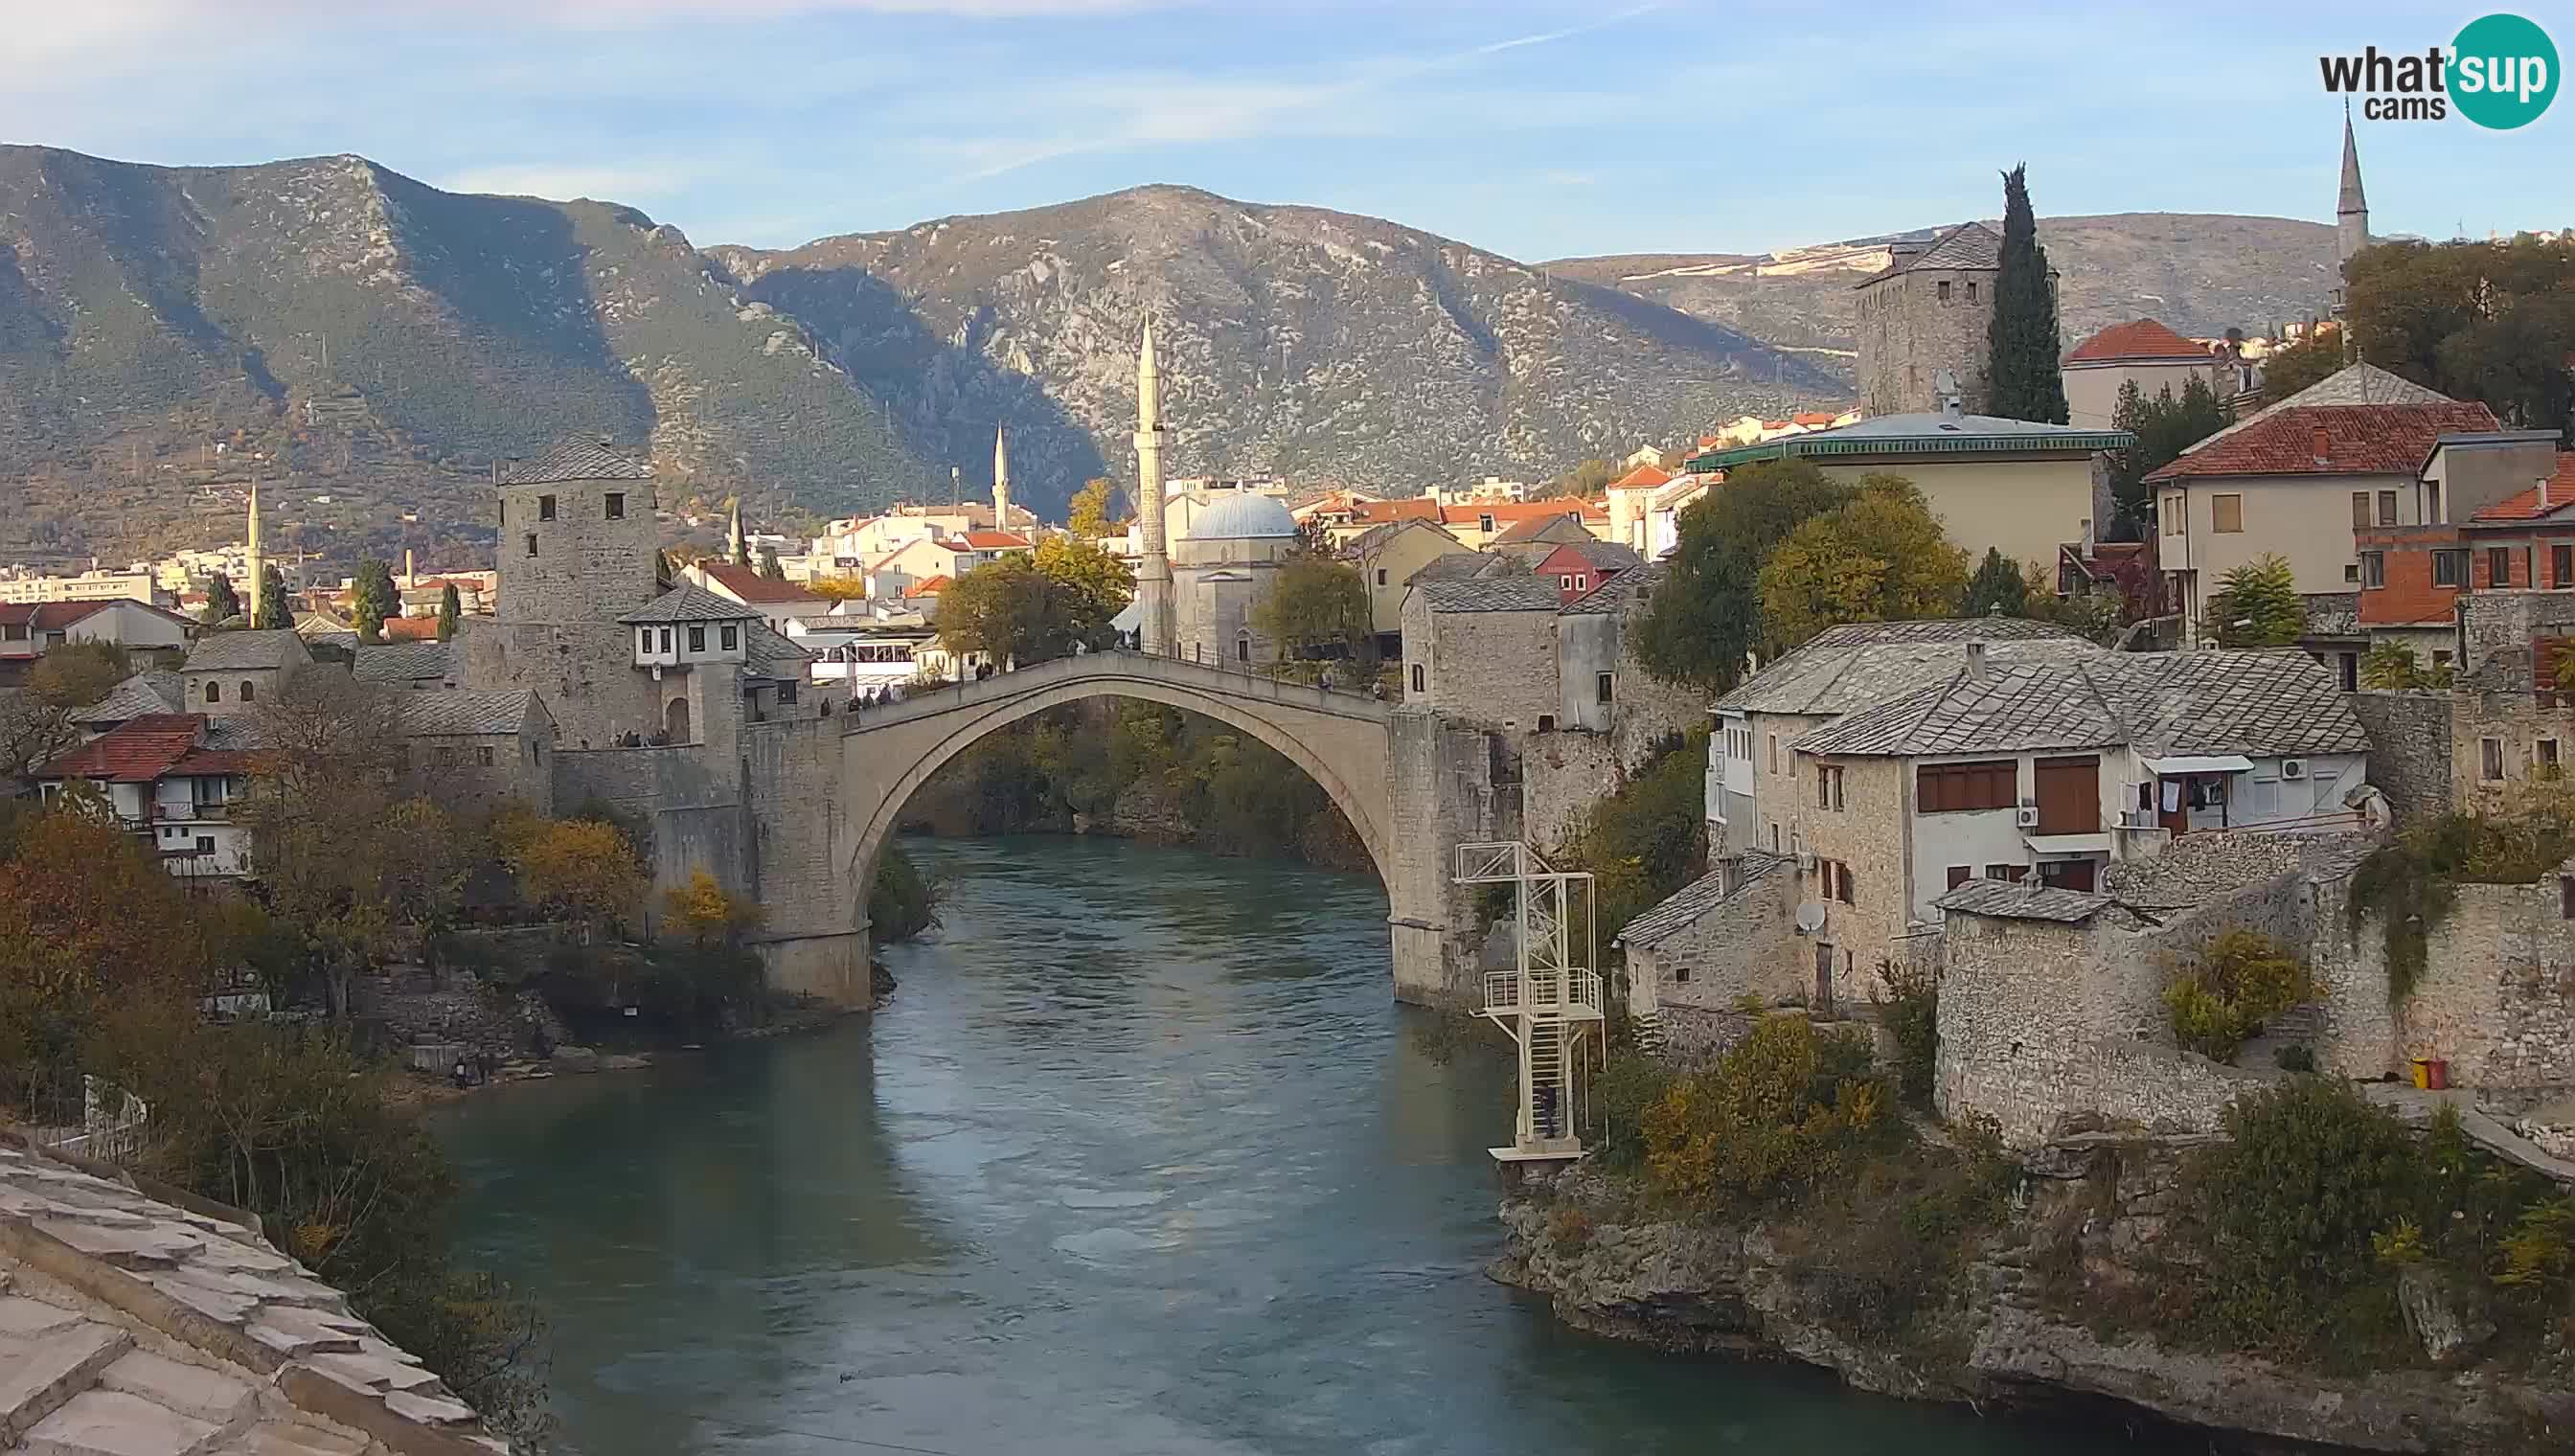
<point x="1945" y="383"/>
<point x="1810" y="918"/>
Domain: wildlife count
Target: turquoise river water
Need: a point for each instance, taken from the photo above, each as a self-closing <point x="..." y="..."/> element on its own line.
<point x="1140" y="1160"/>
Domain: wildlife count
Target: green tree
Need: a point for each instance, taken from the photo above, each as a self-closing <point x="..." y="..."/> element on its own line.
<point x="2257" y="605"/>
<point x="1315" y="603"/>
<point x="770" y="570"/>
<point x="1010" y="612"/>
<point x="1881" y="557"/>
<point x="1997" y="589"/>
<point x="2300" y="366"/>
<point x="450" y="611"/>
<point x="1092" y="510"/>
<point x="78" y="674"/>
<point x="375" y="599"/>
<point x="273" y="608"/>
<point x="2022" y="371"/>
<point x="2392" y="666"/>
<point x="2165" y="426"/>
<point x="2487" y="321"/>
<point x="902" y="902"/>
<point x="1704" y="622"/>
<point x="222" y="604"/>
<point x="1590" y="478"/>
<point x="1097" y="586"/>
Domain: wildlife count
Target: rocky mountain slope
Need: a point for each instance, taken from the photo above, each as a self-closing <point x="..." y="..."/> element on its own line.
<point x="1294" y="341"/>
<point x="2201" y="273"/>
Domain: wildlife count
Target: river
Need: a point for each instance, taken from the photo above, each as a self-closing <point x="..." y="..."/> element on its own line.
<point x="1141" y="1159"/>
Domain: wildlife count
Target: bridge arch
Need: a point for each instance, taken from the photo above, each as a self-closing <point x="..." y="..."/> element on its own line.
<point x="1337" y="739"/>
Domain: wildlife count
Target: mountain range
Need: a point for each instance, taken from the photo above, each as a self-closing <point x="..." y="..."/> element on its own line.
<point x="166" y="333"/>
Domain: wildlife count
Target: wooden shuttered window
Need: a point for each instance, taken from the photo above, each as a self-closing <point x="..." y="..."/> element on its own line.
<point x="1950" y="788"/>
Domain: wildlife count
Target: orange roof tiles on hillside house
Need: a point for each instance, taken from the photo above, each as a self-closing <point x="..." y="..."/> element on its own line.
<point x="138" y="750"/>
<point x="1642" y="478"/>
<point x="2136" y="341"/>
<point x="746" y="586"/>
<point x="931" y="587"/>
<point x="1409" y="508"/>
<point x="410" y="628"/>
<point x="996" y="540"/>
<point x="2336" y="440"/>
<point x="1515" y="512"/>
<point x="2547" y="498"/>
<point x="1813" y="419"/>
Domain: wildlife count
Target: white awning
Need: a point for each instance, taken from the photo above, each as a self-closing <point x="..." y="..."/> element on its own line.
<point x="2199" y="764"/>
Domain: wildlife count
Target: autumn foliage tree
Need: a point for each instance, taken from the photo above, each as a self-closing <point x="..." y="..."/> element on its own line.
<point x="579" y="870"/>
<point x="1092" y="510"/>
<point x="704" y="913"/>
<point x="1317" y="606"/>
<point x="1881" y="557"/>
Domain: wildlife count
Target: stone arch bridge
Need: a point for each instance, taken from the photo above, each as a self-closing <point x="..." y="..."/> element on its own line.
<point x="1378" y="762"/>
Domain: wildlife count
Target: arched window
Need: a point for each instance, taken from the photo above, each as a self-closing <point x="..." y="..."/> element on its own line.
<point x="1242" y="646"/>
<point x="249" y="689"/>
<point x="214" y="691"/>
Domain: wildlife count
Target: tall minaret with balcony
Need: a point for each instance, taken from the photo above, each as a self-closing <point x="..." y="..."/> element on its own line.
<point x="2351" y="223"/>
<point x="1001" y="480"/>
<point x="256" y="566"/>
<point x="1153" y="574"/>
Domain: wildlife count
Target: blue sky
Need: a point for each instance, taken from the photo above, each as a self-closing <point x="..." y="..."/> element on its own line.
<point x="1535" y="128"/>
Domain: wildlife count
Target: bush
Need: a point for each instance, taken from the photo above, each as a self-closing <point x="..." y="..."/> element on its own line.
<point x="1911" y="1010"/>
<point x="1569" y="1229"/>
<point x="902" y="902"/>
<point x="2243" y="981"/>
<point x="1776" y="1116"/>
<point x="2411" y="882"/>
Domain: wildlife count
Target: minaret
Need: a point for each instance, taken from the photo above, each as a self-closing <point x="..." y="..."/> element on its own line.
<point x="735" y="546"/>
<point x="1153" y="574"/>
<point x="252" y="559"/>
<point x="2351" y="215"/>
<point x="1001" y="480"/>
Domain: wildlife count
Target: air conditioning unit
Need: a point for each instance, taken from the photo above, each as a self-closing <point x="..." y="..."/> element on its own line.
<point x="2026" y="816"/>
<point x="2293" y="768"/>
<point x="1806" y="861"/>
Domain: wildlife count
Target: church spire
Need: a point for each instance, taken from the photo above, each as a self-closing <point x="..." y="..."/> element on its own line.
<point x="2352" y="217"/>
<point x="1000" y="479"/>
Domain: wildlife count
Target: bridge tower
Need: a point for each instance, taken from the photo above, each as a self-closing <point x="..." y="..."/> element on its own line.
<point x="1550" y="1001"/>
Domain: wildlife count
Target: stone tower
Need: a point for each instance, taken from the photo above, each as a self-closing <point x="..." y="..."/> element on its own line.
<point x="2351" y="215"/>
<point x="1930" y="309"/>
<point x="578" y="550"/>
<point x="256" y="563"/>
<point x="1001" y="480"/>
<point x="1154" y="575"/>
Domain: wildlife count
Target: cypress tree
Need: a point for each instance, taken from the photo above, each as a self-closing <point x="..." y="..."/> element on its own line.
<point x="274" y="609"/>
<point x="2021" y="365"/>
<point x="222" y="602"/>
<point x="1997" y="588"/>
<point x="374" y="598"/>
<point x="449" y="610"/>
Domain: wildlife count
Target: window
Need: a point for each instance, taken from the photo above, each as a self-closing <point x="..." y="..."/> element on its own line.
<point x="214" y="691"/>
<point x="2499" y="566"/>
<point x="447" y="756"/>
<point x="2566" y="896"/>
<point x="1565" y="584"/>
<point x="2011" y="873"/>
<point x="2351" y="572"/>
<point x="1485" y="522"/>
<point x="696" y="637"/>
<point x="2490" y="760"/>
<point x="1944" y="290"/>
<point x="666" y="639"/>
<point x="545" y="507"/>
<point x="1242" y="649"/>
<point x="483" y="754"/>
<point x="1774" y="837"/>
<point x="2440" y="659"/>
<point x="1960" y="874"/>
<point x="617" y="505"/>
<point x="1828" y="786"/>
<point x="2543" y="755"/>
<point x="1681" y="972"/>
<point x="1971" y="290"/>
<point x="2172" y="515"/>
<point x="1957" y="787"/>
<point x="2449" y="569"/>
<point x="205" y="844"/>
<point x="2387" y="508"/>
<point x="729" y="636"/>
<point x="532" y="542"/>
<point x="1547" y="722"/>
<point x="2373" y="568"/>
<point x="2561" y="567"/>
<point x="1581" y="581"/>
<point x="2226" y="512"/>
<point x="249" y="690"/>
<point x="1604" y="687"/>
<point x="787" y="693"/>
<point x="1380" y="576"/>
<point x="1416" y="678"/>
<point x="2432" y="503"/>
<point x="643" y="638"/>
<point x="2359" y="510"/>
<point x="1837" y="882"/>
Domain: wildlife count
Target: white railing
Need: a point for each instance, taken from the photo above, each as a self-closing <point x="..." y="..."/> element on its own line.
<point x="1575" y="994"/>
<point x="111" y="1125"/>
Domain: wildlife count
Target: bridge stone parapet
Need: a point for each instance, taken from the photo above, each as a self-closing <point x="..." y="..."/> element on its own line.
<point x="1380" y="765"/>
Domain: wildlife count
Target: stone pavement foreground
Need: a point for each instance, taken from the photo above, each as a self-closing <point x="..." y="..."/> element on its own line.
<point x="141" y="1325"/>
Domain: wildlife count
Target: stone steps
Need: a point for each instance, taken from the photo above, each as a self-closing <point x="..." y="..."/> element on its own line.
<point x="48" y="1358"/>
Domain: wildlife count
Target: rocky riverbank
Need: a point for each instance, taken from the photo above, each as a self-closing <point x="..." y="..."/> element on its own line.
<point x="2045" y="1312"/>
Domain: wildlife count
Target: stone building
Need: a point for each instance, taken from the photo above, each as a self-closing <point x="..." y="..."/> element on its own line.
<point x="229" y="672"/>
<point x="474" y="753"/>
<point x="1930" y="312"/>
<point x="1387" y="558"/>
<point x="1222" y="571"/>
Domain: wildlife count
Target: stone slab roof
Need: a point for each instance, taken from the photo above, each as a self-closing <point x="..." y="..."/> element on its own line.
<point x="2010" y="901"/>
<point x="410" y="662"/>
<point x="1464" y="566"/>
<point x="574" y="460"/>
<point x="147" y="692"/>
<point x="773" y="656"/>
<point x="1968" y="245"/>
<point x="1622" y="591"/>
<point x="689" y="601"/>
<point x="234" y="652"/>
<point x="1852" y="666"/>
<point x="468" y="712"/>
<point x="134" y="1319"/>
<point x="1694" y="899"/>
<point x="1495" y="593"/>
<point x="2258" y="704"/>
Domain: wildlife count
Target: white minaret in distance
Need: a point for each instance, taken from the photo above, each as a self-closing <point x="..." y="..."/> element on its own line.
<point x="257" y="563"/>
<point x="2352" y="219"/>
<point x="1154" y="575"/>
<point x="1001" y="480"/>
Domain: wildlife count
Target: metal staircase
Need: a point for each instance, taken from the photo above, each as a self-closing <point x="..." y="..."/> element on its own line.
<point x="1550" y="1001"/>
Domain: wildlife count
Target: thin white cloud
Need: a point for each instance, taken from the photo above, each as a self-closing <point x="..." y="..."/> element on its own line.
<point x="561" y="181"/>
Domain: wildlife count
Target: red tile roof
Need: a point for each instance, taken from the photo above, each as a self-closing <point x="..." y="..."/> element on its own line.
<point x="1515" y="512"/>
<point x="2330" y="439"/>
<point x="2136" y="338"/>
<point x="137" y="750"/>
<point x="931" y="587"/>
<point x="1410" y="508"/>
<point x="749" y="587"/>
<point x="410" y="628"/>
<point x="996" y="540"/>
<point x="2526" y="505"/>
<point x="1814" y="418"/>
<point x="1642" y="478"/>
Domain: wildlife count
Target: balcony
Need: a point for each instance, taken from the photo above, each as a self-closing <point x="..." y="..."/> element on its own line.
<point x="1574" y="996"/>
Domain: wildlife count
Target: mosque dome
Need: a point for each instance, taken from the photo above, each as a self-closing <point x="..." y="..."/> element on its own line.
<point x="1243" y="516"/>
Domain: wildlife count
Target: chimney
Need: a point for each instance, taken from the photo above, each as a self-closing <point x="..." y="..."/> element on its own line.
<point x="2543" y="493"/>
<point x="2324" y="446"/>
<point x="1976" y="660"/>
